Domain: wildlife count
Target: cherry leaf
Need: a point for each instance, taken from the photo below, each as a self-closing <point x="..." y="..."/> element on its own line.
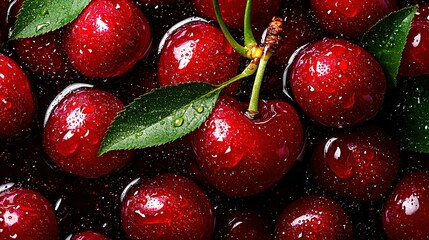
<point x="161" y="116"/>
<point x="413" y="115"/>
<point x="38" y="17"/>
<point x="386" y="41"/>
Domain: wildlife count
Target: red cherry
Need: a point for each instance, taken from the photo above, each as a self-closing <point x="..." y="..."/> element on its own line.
<point x="197" y="52"/>
<point x="233" y="11"/>
<point x="241" y="156"/>
<point x="89" y="236"/>
<point x="25" y="214"/>
<point x="107" y="38"/>
<point x="406" y="212"/>
<point x="167" y="207"/>
<point x="415" y="58"/>
<point x="17" y="105"/>
<point x="351" y="18"/>
<point x="361" y="165"/>
<point x="313" y="217"/>
<point x="3" y="25"/>
<point x="75" y="130"/>
<point x="246" y="225"/>
<point x="43" y="54"/>
<point x="337" y="83"/>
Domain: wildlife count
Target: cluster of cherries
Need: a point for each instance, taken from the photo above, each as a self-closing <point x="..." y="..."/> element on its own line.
<point x="319" y="161"/>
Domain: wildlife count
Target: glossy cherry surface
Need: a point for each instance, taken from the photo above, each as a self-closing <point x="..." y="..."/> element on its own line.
<point x="351" y="18"/>
<point x="247" y="225"/>
<point x="406" y="211"/>
<point x="25" y="214"/>
<point x="360" y="165"/>
<point x="415" y="58"/>
<point x="233" y="11"/>
<point x="17" y="106"/>
<point x="167" y="207"/>
<point x="89" y="236"/>
<point x="241" y="156"/>
<point x="337" y="83"/>
<point x="75" y="130"/>
<point x="107" y="38"/>
<point x="313" y="217"/>
<point x="197" y="52"/>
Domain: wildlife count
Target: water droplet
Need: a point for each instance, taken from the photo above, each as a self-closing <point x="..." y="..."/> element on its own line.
<point x="45" y="12"/>
<point x="200" y="109"/>
<point x="178" y="122"/>
<point x="139" y="134"/>
<point x="42" y="25"/>
<point x="338" y="158"/>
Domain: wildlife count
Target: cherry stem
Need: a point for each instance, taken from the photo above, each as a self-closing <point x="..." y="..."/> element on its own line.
<point x="248" y="71"/>
<point x="249" y="39"/>
<point x="237" y="47"/>
<point x="254" y="99"/>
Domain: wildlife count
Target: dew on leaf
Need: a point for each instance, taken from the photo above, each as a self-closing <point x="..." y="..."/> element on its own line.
<point x="178" y="122"/>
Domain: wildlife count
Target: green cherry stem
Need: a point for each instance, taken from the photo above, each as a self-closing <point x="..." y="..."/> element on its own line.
<point x="237" y="47"/>
<point x="249" y="39"/>
<point x="248" y="71"/>
<point x="254" y="99"/>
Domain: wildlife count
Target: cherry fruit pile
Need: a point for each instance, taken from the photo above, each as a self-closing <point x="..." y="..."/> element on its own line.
<point x="319" y="159"/>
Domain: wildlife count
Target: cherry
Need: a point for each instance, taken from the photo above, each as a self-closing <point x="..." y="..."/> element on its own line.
<point x="75" y="129"/>
<point x="415" y="58"/>
<point x="337" y="83"/>
<point x="233" y="11"/>
<point x="197" y="52"/>
<point x="242" y="156"/>
<point x="89" y="236"/>
<point x="107" y="38"/>
<point x="361" y="165"/>
<point x="246" y="225"/>
<point x="3" y="25"/>
<point x="17" y="106"/>
<point x="25" y="214"/>
<point x="167" y="207"/>
<point x="406" y="211"/>
<point x="313" y="217"/>
<point x="351" y="18"/>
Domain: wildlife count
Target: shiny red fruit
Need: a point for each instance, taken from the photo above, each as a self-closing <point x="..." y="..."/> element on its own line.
<point x="17" y="106"/>
<point x="337" y="83"/>
<point x="89" y="236"/>
<point x="75" y="130"/>
<point x="107" y="38"/>
<point x="313" y="217"/>
<point x="406" y="211"/>
<point x="242" y="156"/>
<point x="43" y="54"/>
<point x="25" y="214"/>
<point x="415" y="58"/>
<point x="197" y="52"/>
<point x="167" y="207"/>
<point x="245" y="225"/>
<point x="351" y="18"/>
<point x="360" y="165"/>
<point x="233" y="11"/>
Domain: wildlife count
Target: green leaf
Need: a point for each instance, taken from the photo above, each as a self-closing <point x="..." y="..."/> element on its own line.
<point x="386" y="41"/>
<point x="413" y="115"/>
<point x="161" y="116"/>
<point x="38" y="17"/>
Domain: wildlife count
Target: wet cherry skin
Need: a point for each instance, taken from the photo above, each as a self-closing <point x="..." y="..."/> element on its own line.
<point x="233" y="11"/>
<point x="247" y="225"/>
<point x="313" y="217"/>
<point x="337" y="83"/>
<point x="17" y="105"/>
<point x="360" y="165"/>
<point x="89" y="236"/>
<point x="75" y="130"/>
<point x="25" y="214"/>
<point x="406" y="212"/>
<point x="107" y="38"/>
<point x="167" y="207"/>
<point x="415" y="58"/>
<point x="351" y="18"/>
<point x="197" y="52"/>
<point x="240" y="156"/>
